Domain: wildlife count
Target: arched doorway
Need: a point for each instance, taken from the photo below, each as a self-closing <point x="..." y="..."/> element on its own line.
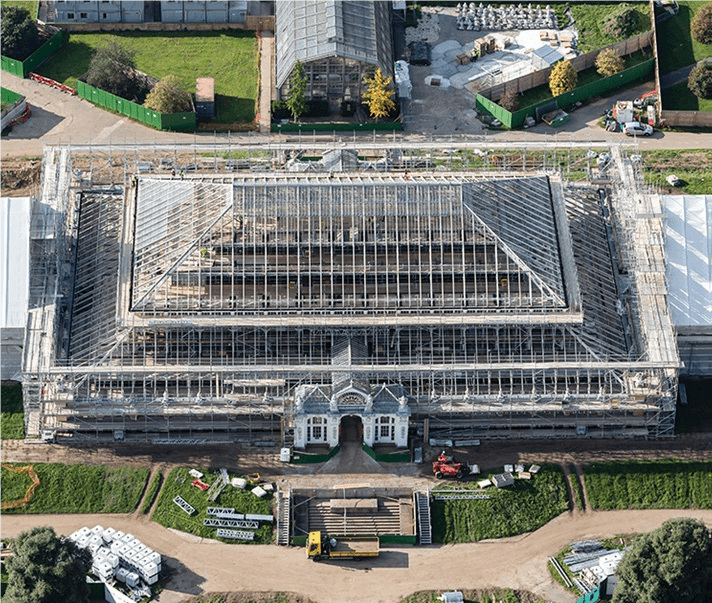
<point x="351" y="429"/>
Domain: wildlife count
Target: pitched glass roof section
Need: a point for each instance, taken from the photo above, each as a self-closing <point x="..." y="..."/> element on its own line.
<point x="308" y="31"/>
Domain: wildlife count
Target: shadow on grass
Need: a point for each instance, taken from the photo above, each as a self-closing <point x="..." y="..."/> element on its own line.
<point x="232" y="109"/>
<point x="69" y="63"/>
<point x="675" y="42"/>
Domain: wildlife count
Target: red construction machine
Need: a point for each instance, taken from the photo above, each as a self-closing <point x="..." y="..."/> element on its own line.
<point x="445" y="466"/>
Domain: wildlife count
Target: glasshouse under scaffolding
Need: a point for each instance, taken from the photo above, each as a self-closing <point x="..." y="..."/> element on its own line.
<point x="267" y="306"/>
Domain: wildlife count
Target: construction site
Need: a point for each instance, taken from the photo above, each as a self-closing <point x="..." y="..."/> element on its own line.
<point x="280" y="294"/>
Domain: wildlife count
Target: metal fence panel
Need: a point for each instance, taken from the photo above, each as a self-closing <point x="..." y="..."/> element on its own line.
<point x="23" y="68"/>
<point x="12" y="66"/>
<point x="9" y="97"/>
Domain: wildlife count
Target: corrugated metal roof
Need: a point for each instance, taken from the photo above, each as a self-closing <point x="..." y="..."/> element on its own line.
<point x="14" y="261"/>
<point x="548" y="54"/>
<point x="688" y="247"/>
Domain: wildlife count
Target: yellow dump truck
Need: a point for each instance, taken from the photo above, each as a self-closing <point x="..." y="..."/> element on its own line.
<point x="321" y="546"/>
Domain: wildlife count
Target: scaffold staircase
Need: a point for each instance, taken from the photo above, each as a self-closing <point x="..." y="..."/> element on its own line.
<point x="284" y="513"/>
<point x="422" y="502"/>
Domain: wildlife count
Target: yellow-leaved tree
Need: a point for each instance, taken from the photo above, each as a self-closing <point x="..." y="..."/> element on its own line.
<point x="378" y="96"/>
<point x="563" y="78"/>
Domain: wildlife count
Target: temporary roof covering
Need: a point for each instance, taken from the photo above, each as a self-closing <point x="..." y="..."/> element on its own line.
<point x="308" y="31"/>
<point x="14" y="261"/>
<point x="548" y="54"/>
<point x="688" y="246"/>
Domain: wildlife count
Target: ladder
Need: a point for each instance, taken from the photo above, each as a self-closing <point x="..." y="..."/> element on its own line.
<point x="284" y="512"/>
<point x="422" y="501"/>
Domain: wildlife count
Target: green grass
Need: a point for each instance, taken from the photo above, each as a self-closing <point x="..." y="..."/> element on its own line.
<point x="677" y="48"/>
<point x="590" y="19"/>
<point x="679" y="98"/>
<point x="168" y="514"/>
<point x="665" y="484"/>
<point x="77" y="488"/>
<point x="231" y="57"/>
<point x="153" y="489"/>
<point x="524" y="507"/>
<point x="485" y="595"/>
<point x="541" y="93"/>
<point x="12" y="421"/>
<point x="692" y="166"/>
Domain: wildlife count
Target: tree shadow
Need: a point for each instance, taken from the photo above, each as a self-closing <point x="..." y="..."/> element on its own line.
<point x="177" y="577"/>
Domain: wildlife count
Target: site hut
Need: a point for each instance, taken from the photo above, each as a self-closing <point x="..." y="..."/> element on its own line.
<point x="329" y="299"/>
<point x="69" y="11"/>
<point x="205" y="98"/>
<point x="337" y="42"/>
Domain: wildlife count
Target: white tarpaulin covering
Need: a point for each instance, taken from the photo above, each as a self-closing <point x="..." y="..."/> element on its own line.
<point x="688" y="246"/>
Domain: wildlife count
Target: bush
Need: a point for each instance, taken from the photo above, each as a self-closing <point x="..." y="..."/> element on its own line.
<point x="701" y="26"/>
<point x="509" y="101"/>
<point x="315" y="108"/>
<point x="700" y="80"/>
<point x="20" y="37"/>
<point x="563" y="78"/>
<point x="113" y="69"/>
<point x="348" y="108"/>
<point x="621" y="22"/>
<point x="608" y="63"/>
<point x="280" y="110"/>
<point x="168" y="96"/>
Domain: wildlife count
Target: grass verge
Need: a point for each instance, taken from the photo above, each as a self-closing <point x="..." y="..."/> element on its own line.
<point x="664" y="484"/>
<point x="692" y="166"/>
<point x="12" y="419"/>
<point x="77" y="488"/>
<point x="590" y="19"/>
<point x="677" y="46"/>
<point x="153" y="489"/>
<point x="480" y="595"/>
<point x="231" y="57"/>
<point x="178" y="483"/>
<point x="679" y="98"/>
<point x="523" y="507"/>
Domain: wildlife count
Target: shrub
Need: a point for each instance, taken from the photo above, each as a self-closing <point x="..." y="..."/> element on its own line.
<point x="20" y="37"/>
<point x="168" y="96"/>
<point x="113" y="69"/>
<point x="700" y="80"/>
<point x="621" y="22"/>
<point x="348" y="108"/>
<point x="297" y="101"/>
<point x="701" y="26"/>
<point x="563" y="78"/>
<point x="608" y="63"/>
<point x="509" y="101"/>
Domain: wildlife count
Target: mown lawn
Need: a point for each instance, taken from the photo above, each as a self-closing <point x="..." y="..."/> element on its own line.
<point x="664" y="484"/>
<point x="590" y="20"/>
<point x="12" y="421"/>
<point x="679" y="98"/>
<point x="178" y="483"/>
<point x="231" y="57"/>
<point x="676" y="47"/>
<point x="76" y="488"/>
<point x="524" y="507"/>
<point x="692" y="166"/>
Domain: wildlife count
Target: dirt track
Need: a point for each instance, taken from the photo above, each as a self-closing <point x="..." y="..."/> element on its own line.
<point x="519" y="562"/>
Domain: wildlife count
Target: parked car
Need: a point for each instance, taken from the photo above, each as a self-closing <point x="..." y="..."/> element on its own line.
<point x="634" y="128"/>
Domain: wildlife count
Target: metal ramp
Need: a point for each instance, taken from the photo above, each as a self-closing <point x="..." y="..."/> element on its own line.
<point x="284" y="513"/>
<point x="422" y="503"/>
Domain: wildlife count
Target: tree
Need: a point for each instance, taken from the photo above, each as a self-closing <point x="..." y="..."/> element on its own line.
<point x="608" y="63"/>
<point x="113" y="69"/>
<point x="701" y="26"/>
<point x="20" y="37"/>
<point x="669" y="565"/>
<point x="168" y="96"/>
<point x="700" y="79"/>
<point x="45" y="568"/>
<point x="620" y="22"/>
<point x="378" y="96"/>
<point x="563" y="78"/>
<point x="509" y="101"/>
<point x="297" y="101"/>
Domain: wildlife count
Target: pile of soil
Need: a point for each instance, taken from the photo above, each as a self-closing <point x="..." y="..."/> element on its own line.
<point x="21" y="177"/>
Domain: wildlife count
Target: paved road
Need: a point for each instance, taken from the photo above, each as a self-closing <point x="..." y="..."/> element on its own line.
<point x="58" y="117"/>
<point x="207" y="566"/>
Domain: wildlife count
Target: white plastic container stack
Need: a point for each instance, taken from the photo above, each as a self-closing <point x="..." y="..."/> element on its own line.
<point x="132" y="579"/>
<point x="84" y="531"/>
<point x="108" y="535"/>
<point x="121" y="574"/>
<point x="93" y="547"/>
<point x="134" y="542"/>
<point x="100" y="554"/>
<point x="124" y="551"/>
<point x="118" y="535"/>
<point x="116" y="547"/>
<point x="141" y="548"/>
<point x="155" y="558"/>
<point x="126" y="538"/>
<point x="97" y="530"/>
<point x="113" y="560"/>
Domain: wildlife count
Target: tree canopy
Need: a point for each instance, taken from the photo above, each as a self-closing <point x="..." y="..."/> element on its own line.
<point x="608" y="63"/>
<point x="20" y="37"/>
<point x="701" y="26"/>
<point x="168" y="96"/>
<point x="45" y="569"/>
<point x="672" y="564"/>
<point x="700" y="79"/>
<point x="297" y="101"/>
<point x="378" y="96"/>
<point x="113" y="69"/>
<point x="563" y="78"/>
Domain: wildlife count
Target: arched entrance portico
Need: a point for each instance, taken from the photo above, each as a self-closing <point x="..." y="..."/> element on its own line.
<point x="351" y="429"/>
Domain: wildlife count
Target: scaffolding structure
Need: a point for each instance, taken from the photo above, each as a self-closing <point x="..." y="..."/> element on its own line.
<point x="501" y="298"/>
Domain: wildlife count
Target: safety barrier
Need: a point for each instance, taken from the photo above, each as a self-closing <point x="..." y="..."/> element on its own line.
<point x="50" y="82"/>
<point x="21" y="502"/>
<point x="162" y="121"/>
<point x="39" y="56"/>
